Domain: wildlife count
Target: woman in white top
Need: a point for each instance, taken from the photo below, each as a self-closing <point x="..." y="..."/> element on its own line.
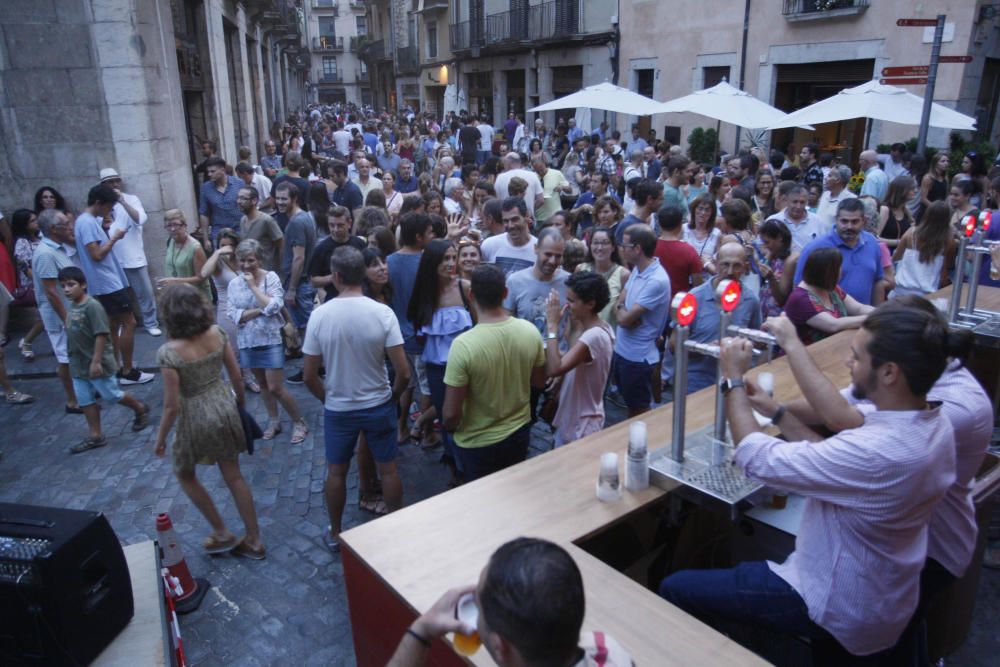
<point x="393" y="199"/>
<point x="255" y="299"/>
<point x="453" y="191"/>
<point x="221" y="267"/>
<point x="925" y="255"/>
<point x="701" y="233"/>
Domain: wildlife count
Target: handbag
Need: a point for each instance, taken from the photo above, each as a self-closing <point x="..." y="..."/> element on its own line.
<point x="251" y="429"/>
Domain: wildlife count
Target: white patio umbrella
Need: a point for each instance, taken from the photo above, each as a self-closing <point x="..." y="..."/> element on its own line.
<point x="878" y="101"/>
<point x="728" y="104"/>
<point x="604" y="96"/>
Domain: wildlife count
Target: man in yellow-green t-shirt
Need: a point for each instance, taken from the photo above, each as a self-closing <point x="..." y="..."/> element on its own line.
<point x="488" y="382"/>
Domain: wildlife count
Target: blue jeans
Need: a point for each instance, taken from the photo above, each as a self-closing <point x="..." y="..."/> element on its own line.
<point x="476" y="462"/>
<point x="303" y="307"/>
<point x="751" y="595"/>
<point x="341" y="431"/>
<point x="435" y="378"/>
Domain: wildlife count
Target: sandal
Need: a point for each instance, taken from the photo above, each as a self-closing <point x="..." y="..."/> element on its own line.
<point x="88" y="444"/>
<point x="213" y="545"/>
<point x="374" y="504"/>
<point x="19" y="398"/>
<point x="245" y="550"/>
<point x="331" y="542"/>
<point x="299" y="431"/>
<point x="250" y="382"/>
<point x="273" y="429"/>
<point x="26" y="350"/>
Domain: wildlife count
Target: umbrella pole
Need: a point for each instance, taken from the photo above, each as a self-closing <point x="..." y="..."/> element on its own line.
<point x="925" y="115"/>
<point x="718" y="142"/>
<point x="868" y="133"/>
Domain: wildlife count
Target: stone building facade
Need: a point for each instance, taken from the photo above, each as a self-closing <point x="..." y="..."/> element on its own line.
<point x="136" y="86"/>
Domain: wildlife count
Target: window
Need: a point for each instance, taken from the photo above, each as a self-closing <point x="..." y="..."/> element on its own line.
<point x="364" y="67"/>
<point x="362" y="25"/>
<point x="714" y="75"/>
<point x="432" y="39"/>
<point x="329" y="66"/>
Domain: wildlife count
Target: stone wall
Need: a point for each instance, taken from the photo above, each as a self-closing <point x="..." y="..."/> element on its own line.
<point x="88" y="84"/>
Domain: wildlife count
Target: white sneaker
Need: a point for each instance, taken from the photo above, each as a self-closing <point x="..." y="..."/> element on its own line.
<point x="154" y="331"/>
<point x="135" y="377"/>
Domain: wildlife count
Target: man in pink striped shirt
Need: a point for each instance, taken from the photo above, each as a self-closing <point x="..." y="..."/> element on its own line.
<point x="870" y="491"/>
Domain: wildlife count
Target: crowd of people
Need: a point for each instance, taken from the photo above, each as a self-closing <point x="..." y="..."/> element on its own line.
<point x="448" y="283"/>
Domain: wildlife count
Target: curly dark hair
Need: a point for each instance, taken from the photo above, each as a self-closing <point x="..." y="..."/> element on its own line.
<point x="185" y="312"/>
<point x="590" y="286"/>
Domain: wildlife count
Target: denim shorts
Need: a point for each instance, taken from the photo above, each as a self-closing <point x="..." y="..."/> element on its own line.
<point x="635" y="381"/>
<point x="268" y="357"/>
<point x="106" y="387"/>
<point x="341" y="431"/>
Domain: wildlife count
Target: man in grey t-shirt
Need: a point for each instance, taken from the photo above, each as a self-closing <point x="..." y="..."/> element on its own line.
<point x="260" y="227"/>
<point x="528" y="289"/>
<point x="299" y="240"/>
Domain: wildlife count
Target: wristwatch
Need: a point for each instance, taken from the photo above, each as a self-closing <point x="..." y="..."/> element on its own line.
<point x="551" y="336"/>
<point x="727" y="384"/>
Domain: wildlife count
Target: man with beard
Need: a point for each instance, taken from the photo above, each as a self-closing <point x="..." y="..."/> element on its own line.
<point x="260" y="227"/>
<point x="861" y="275"/>
<point x="853" y="581"/>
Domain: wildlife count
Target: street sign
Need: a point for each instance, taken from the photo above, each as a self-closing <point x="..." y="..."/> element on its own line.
<point x="904" y="81"/>
<point x="906" y="70"/>
<point x="955" y="59"/>
<point x="916" y="23"/>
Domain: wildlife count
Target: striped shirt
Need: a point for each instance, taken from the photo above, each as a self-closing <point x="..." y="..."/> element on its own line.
<point x="951" y="538"/>
<point x="862" y="541"/>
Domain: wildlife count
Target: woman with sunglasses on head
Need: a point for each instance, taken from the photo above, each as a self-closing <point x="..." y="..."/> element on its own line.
<point x="974" y="168"/>
<point x="603" y="260"/>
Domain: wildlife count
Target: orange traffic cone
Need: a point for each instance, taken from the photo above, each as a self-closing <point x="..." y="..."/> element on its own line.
<point x="172" y="557"/>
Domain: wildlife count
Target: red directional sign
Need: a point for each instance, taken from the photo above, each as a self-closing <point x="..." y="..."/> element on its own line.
<point x="955" y="59"/>
<point x="916" y="23"/>
<point x="904" y="81"/>
<point x="906" y="70"/>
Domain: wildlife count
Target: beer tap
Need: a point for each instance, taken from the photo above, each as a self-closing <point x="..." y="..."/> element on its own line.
<point x="969" y="224"/>
<point x="684" y="308"/>
<point x="977" y="262"/>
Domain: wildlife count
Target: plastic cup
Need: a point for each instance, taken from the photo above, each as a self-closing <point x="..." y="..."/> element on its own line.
<point x="766" y="382"/>
<point x="779" y="500"/>
<point x="467" y="612"/>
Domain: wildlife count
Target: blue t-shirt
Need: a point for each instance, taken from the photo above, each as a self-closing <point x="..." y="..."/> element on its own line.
<point x="650" y="289"/>
<point x="349" y="196"/>
<point x="402" y="276"/>
<point x="861" y="268"/>
<point x="701" y="369"/>
<point x="625" y="223"/>
<point x="221" y="207"/>
<point x="104" y="276"/>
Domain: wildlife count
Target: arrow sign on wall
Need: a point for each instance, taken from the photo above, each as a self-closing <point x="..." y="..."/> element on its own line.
<point x="904" y="81"/>
<point x="906" y="70"/>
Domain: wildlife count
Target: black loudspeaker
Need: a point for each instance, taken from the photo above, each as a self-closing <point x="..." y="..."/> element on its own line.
<point x="65" y="591"/>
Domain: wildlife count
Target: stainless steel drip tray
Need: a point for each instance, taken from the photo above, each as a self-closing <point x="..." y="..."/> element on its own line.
<point x="722" y="481"/>
<point x="988" y="333"/>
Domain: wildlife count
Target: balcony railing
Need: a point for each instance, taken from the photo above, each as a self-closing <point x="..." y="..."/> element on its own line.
<point x="547" y="21"/>
<point x="809" y="10"/>
<point x="328" y="44"/>
<point x="361" y="77"/>
<point x="358" y="5"/>
<point x="407" y="60"/>
<point x="356" y="42"/>
<point x="329" y="78"/>
<point x="326" y="6"/>
<point x="372" y="51"/>
<point x="431" y="5"/>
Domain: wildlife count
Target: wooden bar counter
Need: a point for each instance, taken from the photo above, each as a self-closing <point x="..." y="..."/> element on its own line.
<point x="400" y="564"/>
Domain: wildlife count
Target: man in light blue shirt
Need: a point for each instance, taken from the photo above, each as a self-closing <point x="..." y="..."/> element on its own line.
<point x="637" y="143"/>
<point x="106" y="280"/>
<point x="642" y="310"/>
<point x="861" y="272"/>
<point x="876" y="181"/>
<point x="732" y="265"/>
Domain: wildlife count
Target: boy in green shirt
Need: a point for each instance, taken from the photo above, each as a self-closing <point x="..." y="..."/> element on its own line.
<point x="92" y="360"/>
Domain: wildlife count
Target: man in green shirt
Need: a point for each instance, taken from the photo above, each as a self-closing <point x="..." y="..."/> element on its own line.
<point x="491" y="369"/>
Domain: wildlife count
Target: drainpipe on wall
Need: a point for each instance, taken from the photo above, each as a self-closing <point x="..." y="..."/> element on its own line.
<point x="743" y="62"/>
